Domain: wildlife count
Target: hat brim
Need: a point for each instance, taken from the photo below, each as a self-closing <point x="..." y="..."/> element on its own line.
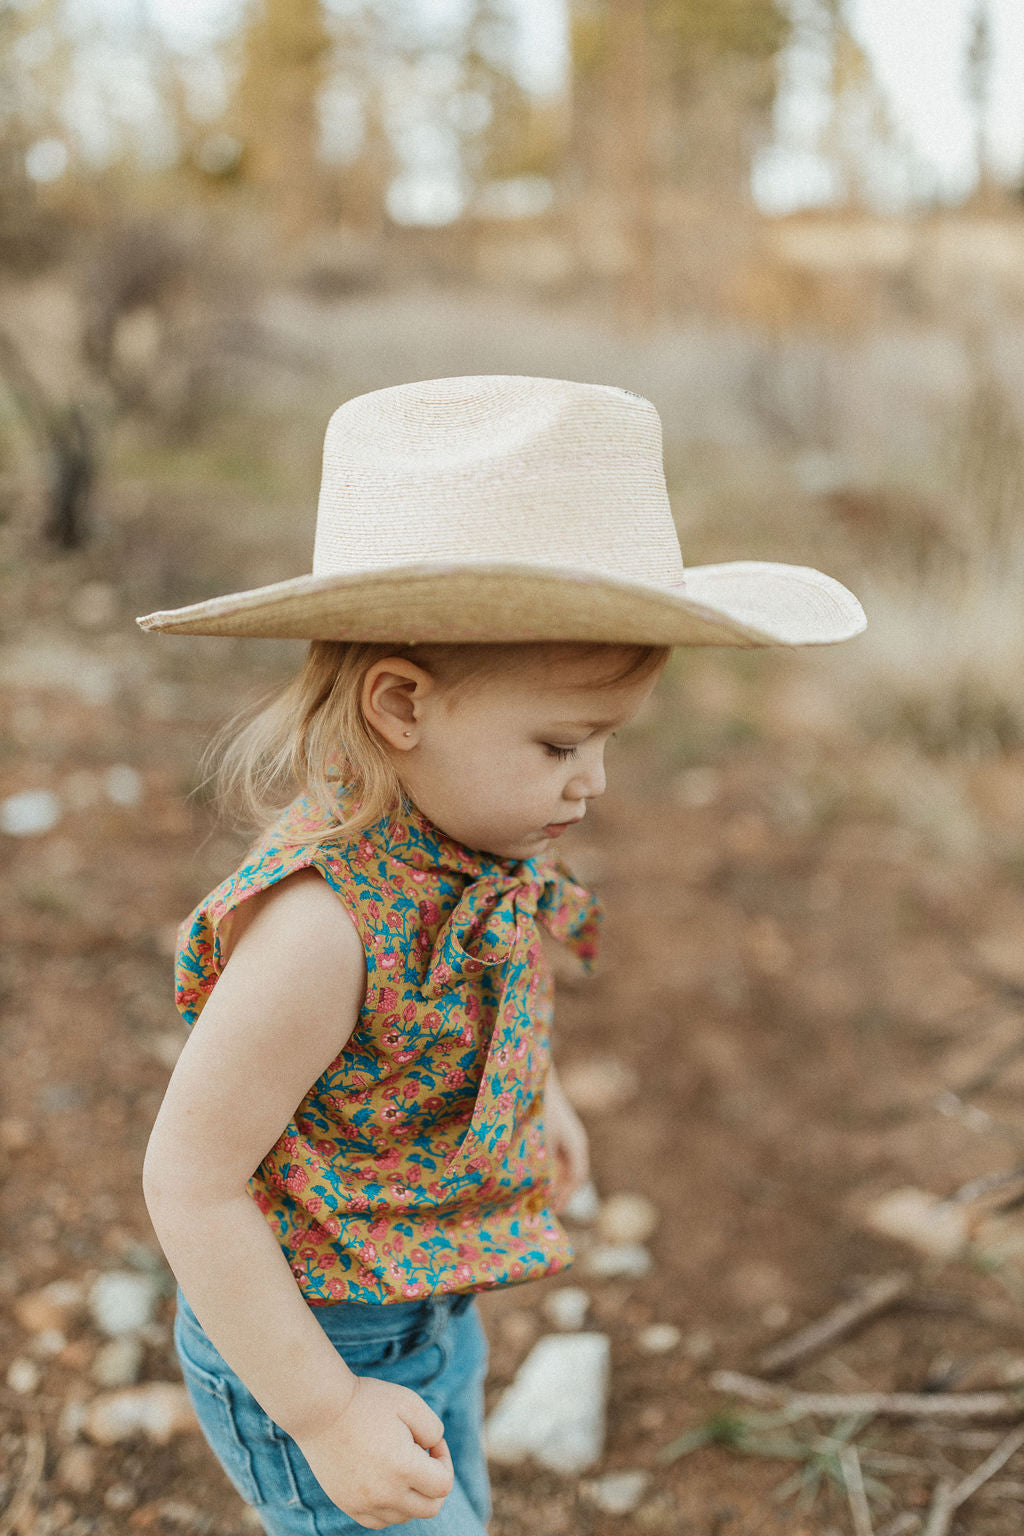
<point x="739" y="603"/>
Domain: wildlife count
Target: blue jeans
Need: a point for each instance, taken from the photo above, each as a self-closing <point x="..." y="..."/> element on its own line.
<point x="436" y="1347"/>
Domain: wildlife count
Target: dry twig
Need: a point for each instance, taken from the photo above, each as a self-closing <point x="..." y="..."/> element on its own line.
<point x="948" y="1497"/>
<point x="15" y="1521"/>
<point x="841" y="1321"/>
<point x="893" y="1405"/>
<point x="860" y="1510"/>
<point x="940" y="1511"/>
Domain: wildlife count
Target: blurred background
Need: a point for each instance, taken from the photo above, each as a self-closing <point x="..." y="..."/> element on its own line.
<point x="798" y="227"/>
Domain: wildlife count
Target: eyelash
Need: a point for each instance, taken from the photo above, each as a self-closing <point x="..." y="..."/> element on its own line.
<point x="560" y="752"/>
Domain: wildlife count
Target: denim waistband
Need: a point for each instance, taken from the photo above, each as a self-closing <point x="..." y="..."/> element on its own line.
<point x="369" y="1323"/>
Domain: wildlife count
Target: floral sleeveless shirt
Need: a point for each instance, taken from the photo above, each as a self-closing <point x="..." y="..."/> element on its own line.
<point x="416" y="1163"/>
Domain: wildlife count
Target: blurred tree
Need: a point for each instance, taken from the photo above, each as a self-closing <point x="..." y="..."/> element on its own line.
<point x="668" y="99"/>
<point x="978" y="85"/>
<point x="285" y="54"/>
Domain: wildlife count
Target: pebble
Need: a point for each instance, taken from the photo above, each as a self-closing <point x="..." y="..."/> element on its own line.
<point x="567" y="1307"/>
<point x="23" y="1376"/>
<point x="76" y="1469"/>
<point x="118" y="1362"/>
<point x="123" y="785"/>
<point x="659" y="1338"/>
<point x="618" y="1261"/>
<point x="29" y="813"/>
<point x="584" y="1206"/>
<point x="600" y="1084"/>
<point x="618" y="1493"/>
<point x="49" y="1343"/>
<point x="159" y="1410"/>
<point x="555" y="1408"/>
<point x="626" y="1218"/>
<point x="120" y="1496"/>
<point x="922" y="1221"/>
<point x="122" y="1301"/>
<point x="51" y="1307"/>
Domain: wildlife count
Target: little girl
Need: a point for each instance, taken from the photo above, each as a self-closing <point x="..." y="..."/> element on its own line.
<point x="365" y="1127"/>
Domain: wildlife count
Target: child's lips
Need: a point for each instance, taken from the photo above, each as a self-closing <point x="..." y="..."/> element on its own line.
<point x="556" y="828"/>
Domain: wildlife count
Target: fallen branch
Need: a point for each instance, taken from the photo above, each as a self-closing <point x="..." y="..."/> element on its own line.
<point x="893" y="1405"/>
<point x="940" y="1511"/>
<point x="876" y="1298"/>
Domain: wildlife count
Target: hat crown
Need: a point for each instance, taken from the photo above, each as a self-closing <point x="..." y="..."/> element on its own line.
<point x="497" y="468"/>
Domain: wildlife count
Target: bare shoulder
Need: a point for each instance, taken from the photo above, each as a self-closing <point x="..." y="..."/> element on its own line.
<point x="301" y="910"/>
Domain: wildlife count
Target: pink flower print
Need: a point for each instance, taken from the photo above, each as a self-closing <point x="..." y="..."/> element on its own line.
<point x="409" y="1012"/>
<point x="419" y="1256"/>
<point x="391" y="1112"/>
<point x="430" y="912"/>
<point x="313" y="1204"/>
<point x="455" y="1078"/>
<point x="337" y="1289"/>
<point x="387" y="999"/>
<point x="188" y="999"/>
<point x="388" y="960"/>
<point x="434" y="1103"/>
<point x="466" y="1035"/>
<point x="368" y="1253"/>
<point x="515" y="1270"/>
<point x="207" y="984"/>
<point x="366" y="1276"/>
<point x="358" y="1202"/>
<point x="289" y="1144"/>
<point x="505" y="1102"/>
<point x="378" y="1228"/>
<point x="472" y="1007"/>
<point x="419" y="875"/>
<point x="411" y="1289"/>
<point x="325" y="1149"/>
<point x="406" y="1055"/>
<point x="428" y="1228"/>
<point x="262" y="1200"/>
<point x="297" y="1180"/>
<point x="392" y="1038"/>
<point x="364" y="852"/>
<point x="463" y="1274"/>
<point x="432" y="1020"/>
<point x="374" y="910"/>
<point x="394" y="921"/>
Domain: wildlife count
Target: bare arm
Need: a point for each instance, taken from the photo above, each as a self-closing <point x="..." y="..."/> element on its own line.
<point x="284" y="1006"/>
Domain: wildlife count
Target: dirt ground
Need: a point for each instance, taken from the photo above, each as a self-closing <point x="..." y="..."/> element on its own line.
<point x="800" y="1000"/>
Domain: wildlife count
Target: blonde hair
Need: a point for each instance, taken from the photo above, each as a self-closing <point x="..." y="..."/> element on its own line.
<point x="312" y="737"/>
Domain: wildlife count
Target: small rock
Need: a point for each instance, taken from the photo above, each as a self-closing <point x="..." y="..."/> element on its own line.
<point x="618" y="1261"/>
<point x="159" y="1410"/>
<point x="922" y="1221"/>
<point x="122" y="1301"/>
<point x="658" y="1338"/>
<point x="51" y="1307"/>
<point x="618" y="1493"/>
<point x="583" y="1206"/>
<point x="626" y="1218"/>
<point x="118" y="1362"/>
<point x="601" y="1084"/>
<point x="23" y="1376"/>
<point x="15" y="1135"/>
<point x="123" y="785"/>
<point x="49" y="1343"/>
<point x="76" y="1469"/>
<point x="555" y="1408"/>
<point x="29" y="813"/>
<point x="567" y="1307"/>
<point x="120" y="1496"/>
<point x="72" y="1419"/>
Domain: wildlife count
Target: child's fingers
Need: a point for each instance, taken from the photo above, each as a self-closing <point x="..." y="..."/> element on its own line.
<point x="425" y="1426"/>
<point x="432" y="1479"/>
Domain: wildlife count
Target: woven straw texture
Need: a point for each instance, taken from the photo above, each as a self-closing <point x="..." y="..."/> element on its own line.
<point x="502" y="508"/>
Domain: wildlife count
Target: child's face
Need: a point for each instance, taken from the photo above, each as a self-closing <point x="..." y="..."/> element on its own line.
<point x="506" y="764"/>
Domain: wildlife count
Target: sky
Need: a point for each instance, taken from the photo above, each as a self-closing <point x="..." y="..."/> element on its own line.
<point x="917" y="49"/>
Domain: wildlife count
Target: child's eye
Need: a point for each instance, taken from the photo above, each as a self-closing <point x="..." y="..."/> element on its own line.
<point x="560" y="752"/>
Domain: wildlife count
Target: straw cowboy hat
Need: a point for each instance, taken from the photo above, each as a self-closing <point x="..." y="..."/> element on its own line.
<point x="502" y="508"/>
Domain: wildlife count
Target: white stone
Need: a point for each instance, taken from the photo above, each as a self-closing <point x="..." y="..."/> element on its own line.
<point x="618" y="1493"/>
<point x="922" y="1221"/>
<point x="583" y="1206"/>
<point x="618" y="1261"/>
<point x="603" y="1083"/>
<point x="626" y="1218"/>
<point x="567" y="1307"/>
<point x="122" y="1301"/>
<point x="29" y="813"/>
<point x="49" y="1343"/>
<point x="118" y="1362"/>
<point x="159" y="1410"/>
<point x="555" y="1408"/>
<point x="23" y="1376"/>
<point x="658" y="1338"/>
<point x="123" y="785"/>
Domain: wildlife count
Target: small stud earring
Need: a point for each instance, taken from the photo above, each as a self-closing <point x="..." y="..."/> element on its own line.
<point x="407" y="733"/>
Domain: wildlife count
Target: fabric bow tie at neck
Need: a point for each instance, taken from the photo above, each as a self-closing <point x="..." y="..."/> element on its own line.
<point x="495" y="914"/>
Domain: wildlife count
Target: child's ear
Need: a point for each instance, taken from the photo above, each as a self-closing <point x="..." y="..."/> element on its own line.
<point x="392" y="698"/>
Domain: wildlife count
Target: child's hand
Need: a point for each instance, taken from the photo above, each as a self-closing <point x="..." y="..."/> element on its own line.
<point x="383" y="1459"/>
<point x="568" y="1141"/>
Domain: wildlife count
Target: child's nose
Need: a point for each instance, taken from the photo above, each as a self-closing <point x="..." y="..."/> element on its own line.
<point x="586" y="783"/>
